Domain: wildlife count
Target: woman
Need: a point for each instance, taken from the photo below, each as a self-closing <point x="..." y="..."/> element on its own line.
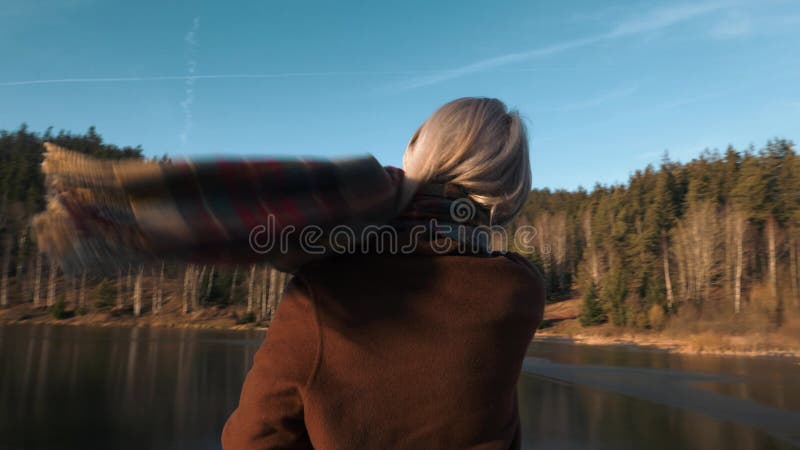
<point x="409" y="350"/>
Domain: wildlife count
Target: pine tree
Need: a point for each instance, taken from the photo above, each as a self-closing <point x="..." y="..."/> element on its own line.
<point x="592" y="312"/>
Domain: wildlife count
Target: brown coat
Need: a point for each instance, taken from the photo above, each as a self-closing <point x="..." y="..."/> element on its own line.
<point x="393" y="352"/>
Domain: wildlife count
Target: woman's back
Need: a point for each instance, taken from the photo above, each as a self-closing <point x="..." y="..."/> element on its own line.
<point x="389" y="351"/>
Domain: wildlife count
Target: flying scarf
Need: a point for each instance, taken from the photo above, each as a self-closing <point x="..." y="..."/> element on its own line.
<point x="101" y="214"/>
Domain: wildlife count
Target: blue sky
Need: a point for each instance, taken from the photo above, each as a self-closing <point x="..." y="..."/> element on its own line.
<point x="605" y="87"/>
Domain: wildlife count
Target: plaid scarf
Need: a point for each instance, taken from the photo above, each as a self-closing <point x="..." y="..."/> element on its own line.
<point x="102" y="214"/>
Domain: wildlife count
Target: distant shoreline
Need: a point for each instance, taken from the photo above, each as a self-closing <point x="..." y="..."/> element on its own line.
<point x="210" y="319"/>
<point x="562" y="325"/>
<point x="203" y="318"/>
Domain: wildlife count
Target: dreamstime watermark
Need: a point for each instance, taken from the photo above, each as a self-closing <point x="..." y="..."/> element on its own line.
<point x="440" y="237"/>
<point x="462" y="210"/>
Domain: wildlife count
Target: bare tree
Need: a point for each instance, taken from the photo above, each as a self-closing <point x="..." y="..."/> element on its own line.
<point x="738" y="222"/>
<point x="772" y="256"/>
<point x="190" y="285"/>
<point x="259" y="294"/>
<point x="251" y="284"/>
<point x="154" y="290"/>
<point x="37" y="282"/>
<point x="543" y="236"/>
<point x="210" y="284"/>
<point x="82" y="292"/>
<point x="187" y="286"/>
<point x="273" y="290"/>
<point x="198" y="281"/>
<point x="591" y="248"/>
<point x="137" y="292"/>
<point x="667" y="277"/>
<point x="119" y="288"/>
<point x="559" y="248"/>
<point x="696" y="250"/>
<point x="158" y="289"/>
<point x="51" y="285"/>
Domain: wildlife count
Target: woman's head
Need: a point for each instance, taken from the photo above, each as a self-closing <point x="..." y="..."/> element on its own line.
<point x="478" y="144"/>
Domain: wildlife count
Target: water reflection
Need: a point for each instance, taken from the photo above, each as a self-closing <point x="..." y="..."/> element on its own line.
<point x="771" y="381"/>
<point x="588" y="397"/>
<point x="118" y="388"/>
<point x="65" y="388"/>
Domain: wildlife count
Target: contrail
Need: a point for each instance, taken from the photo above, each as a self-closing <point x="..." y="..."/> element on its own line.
<point x="186" y="104"/>
<point x="87" y="80"/>
<point x="656" y="19"/>
<point x="233" y="76"/>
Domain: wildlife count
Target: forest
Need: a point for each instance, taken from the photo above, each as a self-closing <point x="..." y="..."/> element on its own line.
<point x="715" y="239"/>
<point x="712" y="240"/>
<point x="27" y="277"/>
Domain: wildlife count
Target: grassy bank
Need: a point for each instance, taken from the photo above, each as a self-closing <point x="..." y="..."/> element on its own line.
<point x="745" y="338"/>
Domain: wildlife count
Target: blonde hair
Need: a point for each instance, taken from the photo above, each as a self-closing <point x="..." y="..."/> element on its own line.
<point x="481" y="146"/>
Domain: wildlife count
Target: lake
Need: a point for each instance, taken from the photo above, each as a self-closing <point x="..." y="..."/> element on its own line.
<point x="119" y="388"/>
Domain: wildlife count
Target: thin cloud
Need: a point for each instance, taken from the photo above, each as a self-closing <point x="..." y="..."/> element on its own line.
<point x="597" y="100"/>
<point x="711" y="95"/>
<point x="91" y="80"/>
<point x="673" y="104"/>
<point x="662" y="18"/>
<point x="652" y="21"/>
<point x="191" y="68"/>
<point x="733" y="25"/>
<point x="498" y="61"/>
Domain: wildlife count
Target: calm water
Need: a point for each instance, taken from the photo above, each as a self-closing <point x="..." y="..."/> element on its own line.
<point x="76" y="388"/>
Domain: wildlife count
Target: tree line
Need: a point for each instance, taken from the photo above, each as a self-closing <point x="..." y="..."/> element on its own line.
<point x="711" y="238"/>
<point x="27" y="276"/>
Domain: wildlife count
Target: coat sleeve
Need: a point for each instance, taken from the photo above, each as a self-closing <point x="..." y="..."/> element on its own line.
<point x="270" y="411"/>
